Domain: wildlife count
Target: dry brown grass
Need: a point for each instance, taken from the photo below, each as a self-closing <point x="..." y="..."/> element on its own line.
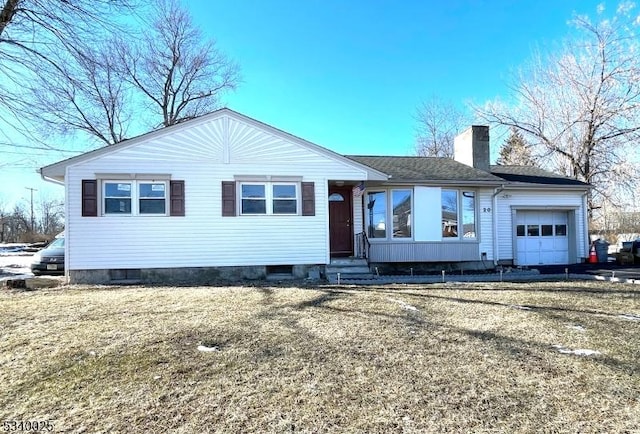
<point x="429" y="358"/>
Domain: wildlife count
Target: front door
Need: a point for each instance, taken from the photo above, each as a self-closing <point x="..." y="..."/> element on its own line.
<point x="340" y="217"/>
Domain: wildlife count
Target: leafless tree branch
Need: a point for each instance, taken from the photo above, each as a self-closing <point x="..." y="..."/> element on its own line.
<point x="580" y="106"/>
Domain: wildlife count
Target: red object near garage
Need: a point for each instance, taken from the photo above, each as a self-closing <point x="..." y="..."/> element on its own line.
<point x="593" y="258"/>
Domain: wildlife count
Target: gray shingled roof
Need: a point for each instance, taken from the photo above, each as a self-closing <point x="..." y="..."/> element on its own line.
<point x="413" y="169"/>
<point x="533" y="175"/>
<point x="433" y="169"/>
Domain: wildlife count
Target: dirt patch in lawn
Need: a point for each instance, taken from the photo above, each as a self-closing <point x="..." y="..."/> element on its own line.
<point x="465" y="358"/>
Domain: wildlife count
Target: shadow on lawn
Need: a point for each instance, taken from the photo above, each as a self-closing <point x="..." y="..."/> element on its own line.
<point x="511" y="346"/>
<point x="533" y="307"/>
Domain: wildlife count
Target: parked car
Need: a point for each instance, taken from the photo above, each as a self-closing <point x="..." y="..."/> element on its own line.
<point x="49" y="260"/>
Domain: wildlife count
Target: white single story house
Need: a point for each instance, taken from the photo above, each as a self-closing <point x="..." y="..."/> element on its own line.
<point x="226" y="196"/>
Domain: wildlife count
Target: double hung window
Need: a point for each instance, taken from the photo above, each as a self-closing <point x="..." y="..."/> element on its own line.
<point x="269" y="198"/>
<point x="134" y="198"/>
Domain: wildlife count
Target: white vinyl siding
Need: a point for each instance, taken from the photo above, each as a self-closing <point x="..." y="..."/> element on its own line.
<point x="203" y="238"/>
<point x="484" y="224"/>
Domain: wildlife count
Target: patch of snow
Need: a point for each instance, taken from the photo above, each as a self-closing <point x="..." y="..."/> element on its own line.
<point x="404" y="305"/>
<point x="11" y="264"/>
<point x="630" y="317"/>
<point x="515" y="306"/>
<point x="577" y="327"/>
<point x="12" y="247"/>
<point x="578" y="352"/>
<point x="207" y="349"/>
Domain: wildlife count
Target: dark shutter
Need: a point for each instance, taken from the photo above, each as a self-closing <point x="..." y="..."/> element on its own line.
<point x="89" y="198"/>
<point x="228" y="198"/>
<point x="176" y="198"/>
<point x="308" y="198"/>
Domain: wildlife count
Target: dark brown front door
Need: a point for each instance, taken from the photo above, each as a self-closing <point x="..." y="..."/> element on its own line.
<point x="340" y="225"/>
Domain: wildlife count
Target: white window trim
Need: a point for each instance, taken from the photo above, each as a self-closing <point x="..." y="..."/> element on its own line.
<point x="476" y="219"/>
<point x="460" y="210"/>
<point x="411" y="213"/>
<point x="269" y="198"/>
<point x="367" y="215"/>
<point x="389" y="215"/>
<point x="458" y="215"/>
<point x="135" y="197"/>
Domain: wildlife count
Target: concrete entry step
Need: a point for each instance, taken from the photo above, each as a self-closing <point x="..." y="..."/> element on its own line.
<point x="348" y="268"/>
<point x="345" y="278"/>
<point x="349" y="262"/>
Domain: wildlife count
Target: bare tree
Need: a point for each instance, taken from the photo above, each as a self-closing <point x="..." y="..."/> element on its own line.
<point x="39" y="42"/>
<point x="101" y="87"/>
<point x="33" y="33"/>
<point x="50" y="216"/>
<point x="439" y="122"/>
<point x="17" y="224"/>
<point x="580" y="106"/>
<point x="85" y="94"/>
<point x="516" y="151"/>
<point x="180" y="73"/>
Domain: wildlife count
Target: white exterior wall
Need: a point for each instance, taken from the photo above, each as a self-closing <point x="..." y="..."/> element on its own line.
<point x="203" y="156"/>
<point x="485" y="222"/>
<point x="358" y="220"/>
<point x="531" y="199"/>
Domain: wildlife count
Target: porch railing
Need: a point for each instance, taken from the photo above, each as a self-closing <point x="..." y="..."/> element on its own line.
<point x="362" y="246"/>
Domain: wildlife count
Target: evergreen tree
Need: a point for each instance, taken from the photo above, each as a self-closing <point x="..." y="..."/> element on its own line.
<point x="516" y="151"/>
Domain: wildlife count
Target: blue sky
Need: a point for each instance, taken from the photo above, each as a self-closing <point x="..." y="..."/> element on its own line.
<point x="348" y="75"/>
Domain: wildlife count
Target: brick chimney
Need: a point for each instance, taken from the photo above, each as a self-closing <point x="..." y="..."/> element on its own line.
<point x="471" y="147"/>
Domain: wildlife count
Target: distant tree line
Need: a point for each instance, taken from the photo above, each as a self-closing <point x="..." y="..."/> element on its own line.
<point x="19" y="225"/>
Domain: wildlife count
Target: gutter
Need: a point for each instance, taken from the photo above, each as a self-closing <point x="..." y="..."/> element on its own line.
<point x="494" y="220"/>
<point x="55" y="181"/>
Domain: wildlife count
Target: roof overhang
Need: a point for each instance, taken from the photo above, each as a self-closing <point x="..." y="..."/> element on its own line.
<point x="529" y="186"/>
<point x="442" y="182"/>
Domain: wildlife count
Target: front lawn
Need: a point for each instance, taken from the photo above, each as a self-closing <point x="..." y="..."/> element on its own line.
<point x="526" y="357"/>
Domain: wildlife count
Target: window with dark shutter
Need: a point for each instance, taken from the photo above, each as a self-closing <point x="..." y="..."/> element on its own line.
<point x="176" y="198"/>
<point x="308" y="199"/>
<point x="89" y="198"/>
<point x="228" y="198"/>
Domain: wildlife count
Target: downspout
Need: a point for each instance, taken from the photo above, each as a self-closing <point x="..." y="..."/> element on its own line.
<point x="585" y="224"/>
<point x="494" y="220"/>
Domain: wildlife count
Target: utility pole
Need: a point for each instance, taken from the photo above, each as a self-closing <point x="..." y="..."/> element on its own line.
<point x="31" y="190"/>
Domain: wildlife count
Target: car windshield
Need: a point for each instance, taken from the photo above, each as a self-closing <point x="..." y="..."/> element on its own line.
<point x="58" y="242"/>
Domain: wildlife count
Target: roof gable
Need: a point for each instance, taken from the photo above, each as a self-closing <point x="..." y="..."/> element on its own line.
<point x="216" y="136"/>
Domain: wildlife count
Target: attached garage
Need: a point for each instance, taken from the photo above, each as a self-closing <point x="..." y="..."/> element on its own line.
<point x="542" y="237"/>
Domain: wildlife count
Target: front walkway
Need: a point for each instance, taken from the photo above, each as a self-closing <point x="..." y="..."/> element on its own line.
<point x="610" y="272"/>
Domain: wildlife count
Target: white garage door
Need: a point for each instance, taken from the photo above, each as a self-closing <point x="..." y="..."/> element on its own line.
<point x="541" y="238"/>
